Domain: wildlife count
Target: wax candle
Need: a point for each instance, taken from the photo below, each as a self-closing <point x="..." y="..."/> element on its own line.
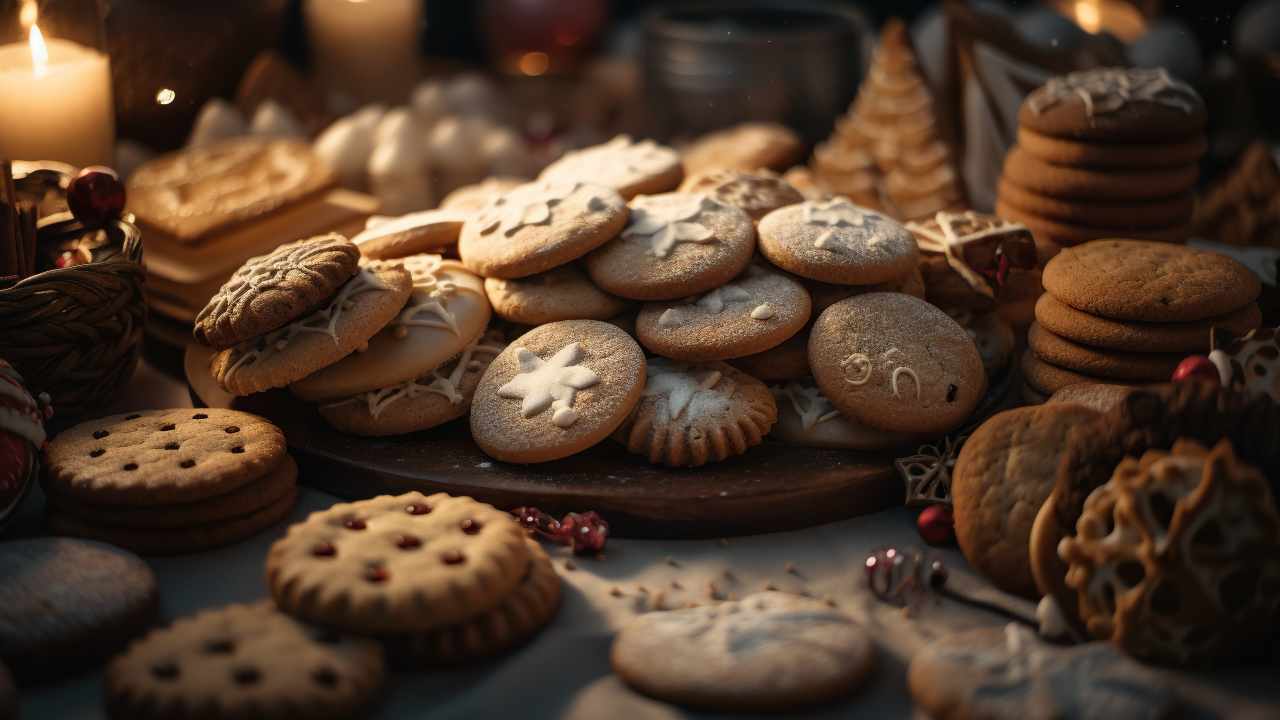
<point x="55" y="102"/>
<point x="366" y="49"/>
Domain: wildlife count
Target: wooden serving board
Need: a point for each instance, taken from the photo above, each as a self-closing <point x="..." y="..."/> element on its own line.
<point x="773" y="487"/>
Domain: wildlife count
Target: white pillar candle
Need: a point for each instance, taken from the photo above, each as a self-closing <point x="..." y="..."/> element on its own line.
<point x="55" y="102"/>
<point x="366" y="49"/>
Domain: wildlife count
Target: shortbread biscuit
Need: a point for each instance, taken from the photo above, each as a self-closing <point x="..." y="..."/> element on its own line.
<point x="691" y="415"/>
<point x="1187" y="338"/>
<point x="398" y="563"/>
<point x="1167" y="212"/>
<point x="838" y="242"/>
<point x="1059" y="151"/>
<point x="897" y="363"/>
<point x="539" y="226"/>
<point x="244" y="661"/>
<point x="631" y="168"/>
<point x="748" y="147"/>
<point x="788" y="361"/>
<point x="808" y="419"/>
<point x="160" y="457"/>
<point x="419" y="232"/>
<point x="674" y="245"/>
<point x="273" y="290"/>
<point x="565" y="293"/>
<point x="1059" y="181"/>
<point x="557" y="390"/>
<point x="446" y="312"/>
<point x="757" y="193"/>
<point x="757" y="311"/>
<point x="1131" y="105"/>
<point x="362" y="307"/>
<point x="1109" y="364"/>
<point x="472" y="198"/>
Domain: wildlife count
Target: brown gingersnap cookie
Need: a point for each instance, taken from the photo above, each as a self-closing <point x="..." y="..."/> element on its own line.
<point x="824" y="295"/>
<point x="540" y="226"/>
<point x="1156" y="214"/>
<point x="244" y="661"/>
<point x="1110" y="364"/>
<point x="1151" y="282"/>
<point x="631" y="168"/>
<point x="770" y="651"/>
<point x="1060" y="181"/>
<point x="674" y="245"/>
<point x="1185" y="338"/>
<point x="1132" y="105"/>
<point x="419" y="232"/>
<point x="472" y="198"/>
<point x="757" y="193"/>
<point x="748" y="146"/>
<point x="807" y="418"/>
<point x="272" y="290"/>
<point x="788" y="361"/>
<point x="837" y="242"/>
<point x="691" y="415"/>
<point x="556" y="391"/>
<point x="1059" y="151"/>
<point x="1031" y="396"/>
<point x="897" y="363"/>
<point x="398" y="563"/>
<point x="565" y="293"/>
<point x="362" y="307"/>
<point x="1048" y="379"/>
<point x="1022" y="288"/>
<point x="757" y="311"/>
<point x="1005" y="470"/>
<point x="157" y="457"/>
<point x="1068" y="234"/>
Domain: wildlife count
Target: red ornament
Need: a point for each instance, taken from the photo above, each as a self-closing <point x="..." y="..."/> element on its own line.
<point x="936" y="525"/>
<point x="1197" y="367"/>
<point x="96" y="196"/>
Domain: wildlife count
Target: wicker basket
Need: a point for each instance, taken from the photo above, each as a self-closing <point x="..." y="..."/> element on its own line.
<point x="76" y="332"/>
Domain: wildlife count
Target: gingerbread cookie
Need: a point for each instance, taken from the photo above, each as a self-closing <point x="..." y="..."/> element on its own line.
<point x="1060" y="181"/>
<point x="807" y="418"/>
<point x="896" y="363"/>
<point x="788" y="361"/>
<point x="446" y="312"/>
<point x="1022" y="288"/>
<point x="746" y="147"/>
<point x="824" y="295"/>
<point x="540" y="226"/>
<point x="631" y="168"/>
<point x="674" y="246"/>
<point x="419" y="232"/>
<point x="565" y="293"/>
<point x="767" y="652"/>
<point x="1110" y="364"/>
<point x="837" y="242"/>
<point x="1048" y="379"/>
<point x="1149" y="282"/>
<point x="271" y="291"/>
<point x="1059" y="151"/>
<point x="691" y="415"/>
<point x="244" y="661"/>
<point x="1172" y="211"/>
<point x="757" y="311"/>
<point x="402" y="563"/>
<point x="362" y="307"/>
<point x="1137" y="105"/>
<point x="70" y="603"/>
<point x="560" y="389"/>
<point x="756" y="193"/>
<point x="1004" y="472"/>
<point x="980" y="249"/>
<point x="1184" y="338"/>
<point x="473" y="198"/>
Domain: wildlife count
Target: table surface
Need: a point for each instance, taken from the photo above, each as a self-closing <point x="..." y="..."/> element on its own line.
<point x="564" y="672"/>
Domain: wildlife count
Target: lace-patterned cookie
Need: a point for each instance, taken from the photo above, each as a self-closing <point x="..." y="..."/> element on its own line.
<point x="673" y="246"/>
<point x="446" y="312"/>
<point x="897" y="363"/>
<point x="361" y="307"/>
<point x="1115" y="104"/>
<point x="565" y="293"/>
<point x="273" y="290"/>
<point x="838" y="242"/>
<point x="539" y="226"/>
<point x="418" y="232"/>
<point x="631" y="168"/>
<point x="557" y="390"/>
<point x="756" y="193"/>
<point x="759" y="310"/>
<point x="695" y="414"/>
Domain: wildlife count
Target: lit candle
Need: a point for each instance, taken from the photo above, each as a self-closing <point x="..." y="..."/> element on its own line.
<point x="55" y="102"/>
<point x="366" y="49"/>
<point x="1125" y="20"/>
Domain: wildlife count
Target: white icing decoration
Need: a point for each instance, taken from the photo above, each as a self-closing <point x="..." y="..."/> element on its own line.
<point x="858" y="362"/>
<point x="617" y="163"/>
<point x="686" y="387"/>
<point x="839" y="213"/>
<point x="762" y="312"/>
<point x="1053" y="624"/>
<point x="527" y="206"/>
<point x="667" y="222"/>
<point x="446" y="386"/>
<point x="669" y="318"/>
<point x="550" y="383"/>
<point x="23" y="418"/>
<point x="1108" y="90"/>
<point x="811" y="406"/>
<point x="715" y="301"/>
<point x="893" y="381"/>
<point x="428" y="305"/>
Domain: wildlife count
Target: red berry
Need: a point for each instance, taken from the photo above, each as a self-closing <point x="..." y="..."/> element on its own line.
<point x="1197" y="367"/>
<point x="96" y="196"/>
<point x="587" y="531"/>
<point x="936" y="525"/>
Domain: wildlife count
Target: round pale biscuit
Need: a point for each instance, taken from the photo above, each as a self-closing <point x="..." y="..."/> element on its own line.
<point x="446" y="312"/>
<point x="1059" y="181"/>
<point x="472" y="198"/>
<point x="747" y="146"/>
<point x="1059" y="151"/>
<point x="808" y="419"/>
<point x="757" y="311"/>
<point x="1156" y="214"/>
<point x="788" y="361"/>
<point x="565" y="293"/>
<point x="556" y="391"/>
<point x="419" y="232"/>
<point x="674" y="245"/>
<point x="1130" y="105"/>
<point x="631" y="168"/>
<point x="539" y="226"/>
<point x="756" y="193"/>
<point x="1187" y="338"/>
<point x="362" y="307"/>
<point x="1067" y="234"/>
<point x="838" y="242"/>
<point x="1107" y="364"/>
<point x="896" y="363"/>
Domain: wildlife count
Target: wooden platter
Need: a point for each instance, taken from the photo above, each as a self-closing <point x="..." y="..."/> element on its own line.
<point x="773" y="487"/>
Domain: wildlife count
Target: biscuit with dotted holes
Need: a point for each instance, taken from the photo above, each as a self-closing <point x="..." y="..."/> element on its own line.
<point x="403" y="563"/>
<point x="244" y="661"/>
<point x="159" y="457"/>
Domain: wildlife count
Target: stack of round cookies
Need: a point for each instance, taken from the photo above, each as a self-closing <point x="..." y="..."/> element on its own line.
<point x="1105" y="153"/>
<point x="1128" y="311"/>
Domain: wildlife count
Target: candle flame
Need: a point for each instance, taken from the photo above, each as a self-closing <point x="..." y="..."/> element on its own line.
<point x="39" y="51"/>
<point x="29" y="13"/>
<point x="1088" y="17"/>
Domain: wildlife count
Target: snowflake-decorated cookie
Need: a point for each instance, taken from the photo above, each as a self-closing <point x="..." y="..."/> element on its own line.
<point x="629" y="167"/>
<point x="836" y="241"/>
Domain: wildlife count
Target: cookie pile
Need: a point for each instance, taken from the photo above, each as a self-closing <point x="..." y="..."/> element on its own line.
<point x="1128" y="311"/>
<point x="166" y="482"/>
<point x="1107" y="153"/>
